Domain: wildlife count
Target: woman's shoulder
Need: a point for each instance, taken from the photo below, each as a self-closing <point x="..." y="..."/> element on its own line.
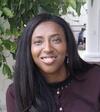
<point x="10" y="98"/>
<point x="10" y="91"/>
<point x="95" y="70"/>
<point x="94" y="73"/>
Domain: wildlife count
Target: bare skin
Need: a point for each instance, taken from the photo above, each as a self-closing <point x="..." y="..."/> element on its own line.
<point x="49" y="48"/>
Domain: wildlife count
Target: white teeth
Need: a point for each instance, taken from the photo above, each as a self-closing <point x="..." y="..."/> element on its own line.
<point x="48" y="57"/>
<point x="48" y="60"/>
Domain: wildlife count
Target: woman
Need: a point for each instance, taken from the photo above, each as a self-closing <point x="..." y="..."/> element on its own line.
<point x="49" y="74"/>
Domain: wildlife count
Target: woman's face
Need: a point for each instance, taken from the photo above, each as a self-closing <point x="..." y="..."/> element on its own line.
<point x="48" y="47"/>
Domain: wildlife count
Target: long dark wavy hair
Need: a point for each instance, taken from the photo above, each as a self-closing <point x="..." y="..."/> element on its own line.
<point x="31" y="90"/>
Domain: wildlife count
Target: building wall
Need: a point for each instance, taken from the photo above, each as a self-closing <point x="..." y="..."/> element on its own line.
<point x="4" y="82"/>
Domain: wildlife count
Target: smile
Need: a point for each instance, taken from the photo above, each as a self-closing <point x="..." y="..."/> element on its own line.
<point x="48" y="59"/>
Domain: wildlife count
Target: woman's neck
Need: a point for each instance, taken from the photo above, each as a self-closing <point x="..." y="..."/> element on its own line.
<point x="57" y="76"/>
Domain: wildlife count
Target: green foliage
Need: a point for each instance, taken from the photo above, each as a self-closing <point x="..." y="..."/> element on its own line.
<point x="79" y="3"/>
<point x="7" y="12"/>
<point x="14" y="14"/>
<point x="23" y="10"/>
<point x="6" y="45"/>
<point x="7" y="71"/>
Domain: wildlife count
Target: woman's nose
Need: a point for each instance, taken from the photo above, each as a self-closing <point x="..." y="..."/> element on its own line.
<point x="48" y="47"/>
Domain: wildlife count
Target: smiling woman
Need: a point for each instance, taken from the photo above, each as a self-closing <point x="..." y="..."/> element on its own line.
<point x="49" y="74"/>
<point x="49" y="50"/>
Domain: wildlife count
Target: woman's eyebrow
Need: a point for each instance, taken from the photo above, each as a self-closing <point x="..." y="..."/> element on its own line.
<point x="41" y="37"/>
<point x="53" y="35"/>
<point x="37" y="37"/>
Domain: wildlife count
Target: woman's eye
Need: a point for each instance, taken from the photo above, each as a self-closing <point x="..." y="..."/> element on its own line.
<point x="38" y="42"/>
<point x="56" y="40"/>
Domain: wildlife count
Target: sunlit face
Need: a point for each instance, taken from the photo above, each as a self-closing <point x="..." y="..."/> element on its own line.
<point x="49" y="48"/>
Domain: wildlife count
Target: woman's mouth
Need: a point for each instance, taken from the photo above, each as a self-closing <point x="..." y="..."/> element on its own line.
<point x="48" y="59"/>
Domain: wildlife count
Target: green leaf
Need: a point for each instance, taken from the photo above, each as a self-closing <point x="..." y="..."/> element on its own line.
<point x="2" y="58"/>
<point x="13" y="47"/>
<point x="0" y="64"/>
<point x="7" y="44"/>
<point x="7" y="12"/>
<point x="0" y="12"/>
<point x="0" y="41"/>
<point x="3" y="3"/>
<point x="4" y="25"/>
<point x="72" y="3"/>
<point x="1" y="48"/>
<point x="6" y="70"/>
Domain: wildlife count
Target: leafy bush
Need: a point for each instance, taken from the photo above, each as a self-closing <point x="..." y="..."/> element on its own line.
<point x="14" y="14"/>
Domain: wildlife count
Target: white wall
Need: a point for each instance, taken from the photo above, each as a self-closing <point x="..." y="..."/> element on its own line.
<point x="4" y="82"/>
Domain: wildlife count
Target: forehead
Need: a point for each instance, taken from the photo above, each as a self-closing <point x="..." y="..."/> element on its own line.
<point x="48" y="27"/>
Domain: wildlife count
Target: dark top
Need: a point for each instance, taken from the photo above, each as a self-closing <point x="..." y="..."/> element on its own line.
<point x="82" y="95"/>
